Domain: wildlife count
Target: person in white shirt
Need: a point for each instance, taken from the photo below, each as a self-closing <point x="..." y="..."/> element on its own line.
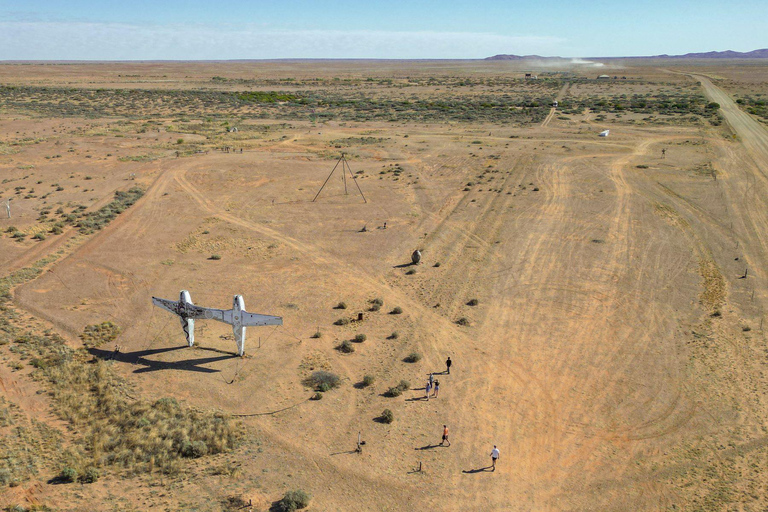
<point x="494" y="457"/>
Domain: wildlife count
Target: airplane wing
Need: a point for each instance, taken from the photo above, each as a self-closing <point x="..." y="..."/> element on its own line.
<point x="168" y="305"/>
<point x="192" y="311"/>
<point x="254" y="319"/>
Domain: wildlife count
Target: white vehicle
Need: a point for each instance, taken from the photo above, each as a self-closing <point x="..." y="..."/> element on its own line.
<point x="237" y="317"/>
<point x="605" y="133"/>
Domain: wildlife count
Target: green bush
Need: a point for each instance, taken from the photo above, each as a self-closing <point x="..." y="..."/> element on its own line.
<point x="293" y="500"/>
<point x="89" y="476"/>
<point x="387" y="416"/>
<point x="39" y="236"/>
<point x="317" y="334"/>
<point x="359" y="338"/>
<point x="413" y="357"/>
<point x="345" y="347"/>
<point x="341" y="305"/>
<point x="393" y="392"/>
<point x="341" y="321"/>
<point x="394" y="335"/>
<point x="367" y="380"/>
<point x="472" y="302"/>
<point x="396" y="310"/>
<point x="462" y="321"/>
<point x="322" y="380"/>
<point x="215" y="257"/>
<point x="194" y="449"/>
<point x="403" y="385"/>
<point x="68" y="474"/>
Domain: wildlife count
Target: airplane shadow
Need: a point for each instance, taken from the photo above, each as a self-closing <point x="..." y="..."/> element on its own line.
<point x="149" y="365"/>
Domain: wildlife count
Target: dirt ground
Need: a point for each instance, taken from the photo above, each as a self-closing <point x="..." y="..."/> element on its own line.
<point x="615" y="353"/>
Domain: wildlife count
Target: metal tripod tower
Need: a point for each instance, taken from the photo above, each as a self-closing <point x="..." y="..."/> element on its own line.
<point x="344" y="170"/>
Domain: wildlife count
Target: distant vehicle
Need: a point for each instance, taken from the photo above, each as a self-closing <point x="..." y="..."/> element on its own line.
<point x="605" y="133"/>
<point x="237" y="317"/>
<point x="554" y="103"/>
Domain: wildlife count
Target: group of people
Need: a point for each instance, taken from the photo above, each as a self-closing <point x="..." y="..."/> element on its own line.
<point x="433" y="385"/>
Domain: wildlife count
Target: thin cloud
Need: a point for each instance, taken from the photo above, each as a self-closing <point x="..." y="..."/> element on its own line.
<point x="57" y="40"/>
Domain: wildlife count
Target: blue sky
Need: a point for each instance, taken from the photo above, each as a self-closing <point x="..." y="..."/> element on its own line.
<point x="256" y="29"/>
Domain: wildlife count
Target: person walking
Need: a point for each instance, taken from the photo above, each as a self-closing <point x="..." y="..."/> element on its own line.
<point x="448" y="366"/>
<point x="445" y="436"/>
<point x="494" y="457"/>
<point x="437" y="389"/>
<point x="428" y="389"/>
<point x="432" y="378"/>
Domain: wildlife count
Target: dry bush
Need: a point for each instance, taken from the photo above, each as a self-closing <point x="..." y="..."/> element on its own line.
<point x="322" y="380"/>
<point x="117" y="431"/>
<point x="98" y="334"/>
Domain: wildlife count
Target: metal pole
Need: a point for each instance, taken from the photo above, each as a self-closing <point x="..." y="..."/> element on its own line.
<point x="343" y="174"/>
<point x="356" y="184"/>
<point x="329" y="177"/>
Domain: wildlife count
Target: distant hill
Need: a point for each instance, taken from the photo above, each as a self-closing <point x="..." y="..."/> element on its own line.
<point x="728" y="54"/>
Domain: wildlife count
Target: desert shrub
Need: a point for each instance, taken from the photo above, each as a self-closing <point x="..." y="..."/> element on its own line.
<point x="462" y="321"/>
<point x="345" y="347"/>
<point x="393" y="392"/>
<point x="316" y="396"/>
<point x="322" y="380"/>
<point x="472" y="302"/>
<point x="215" y="257"/>
<point x="68" y="474"/>
<point x="377" y="301"/>
<point x="340" y="305"/>
<point x="94" y="221"/>
<point x="98" y="334"/>
<point x="359" y="338"/>
<point x="317" y="334"/>
<point x="746" y="328"/>
<point x="367" y="380"/>
<point x="396" y="310"/>
<point x="403" y="385"/>
<point x="411" y="272"/>
<point x="413" y="357"/>
<point x="436" y="264"/>
<point x="39" y="236"/>
<point x="11" y="229"/>
<point x="89" y="476"/>
<point x="179" y="141"/>
<point x="374" y="307"/>
<point x="194" y="449"/>
<point x="56" y="230"/>
<point x="293" y="500"/>
<point x="394" y="335"/>
<point x="341" y="321"/>
<point x="386" y="416"/>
